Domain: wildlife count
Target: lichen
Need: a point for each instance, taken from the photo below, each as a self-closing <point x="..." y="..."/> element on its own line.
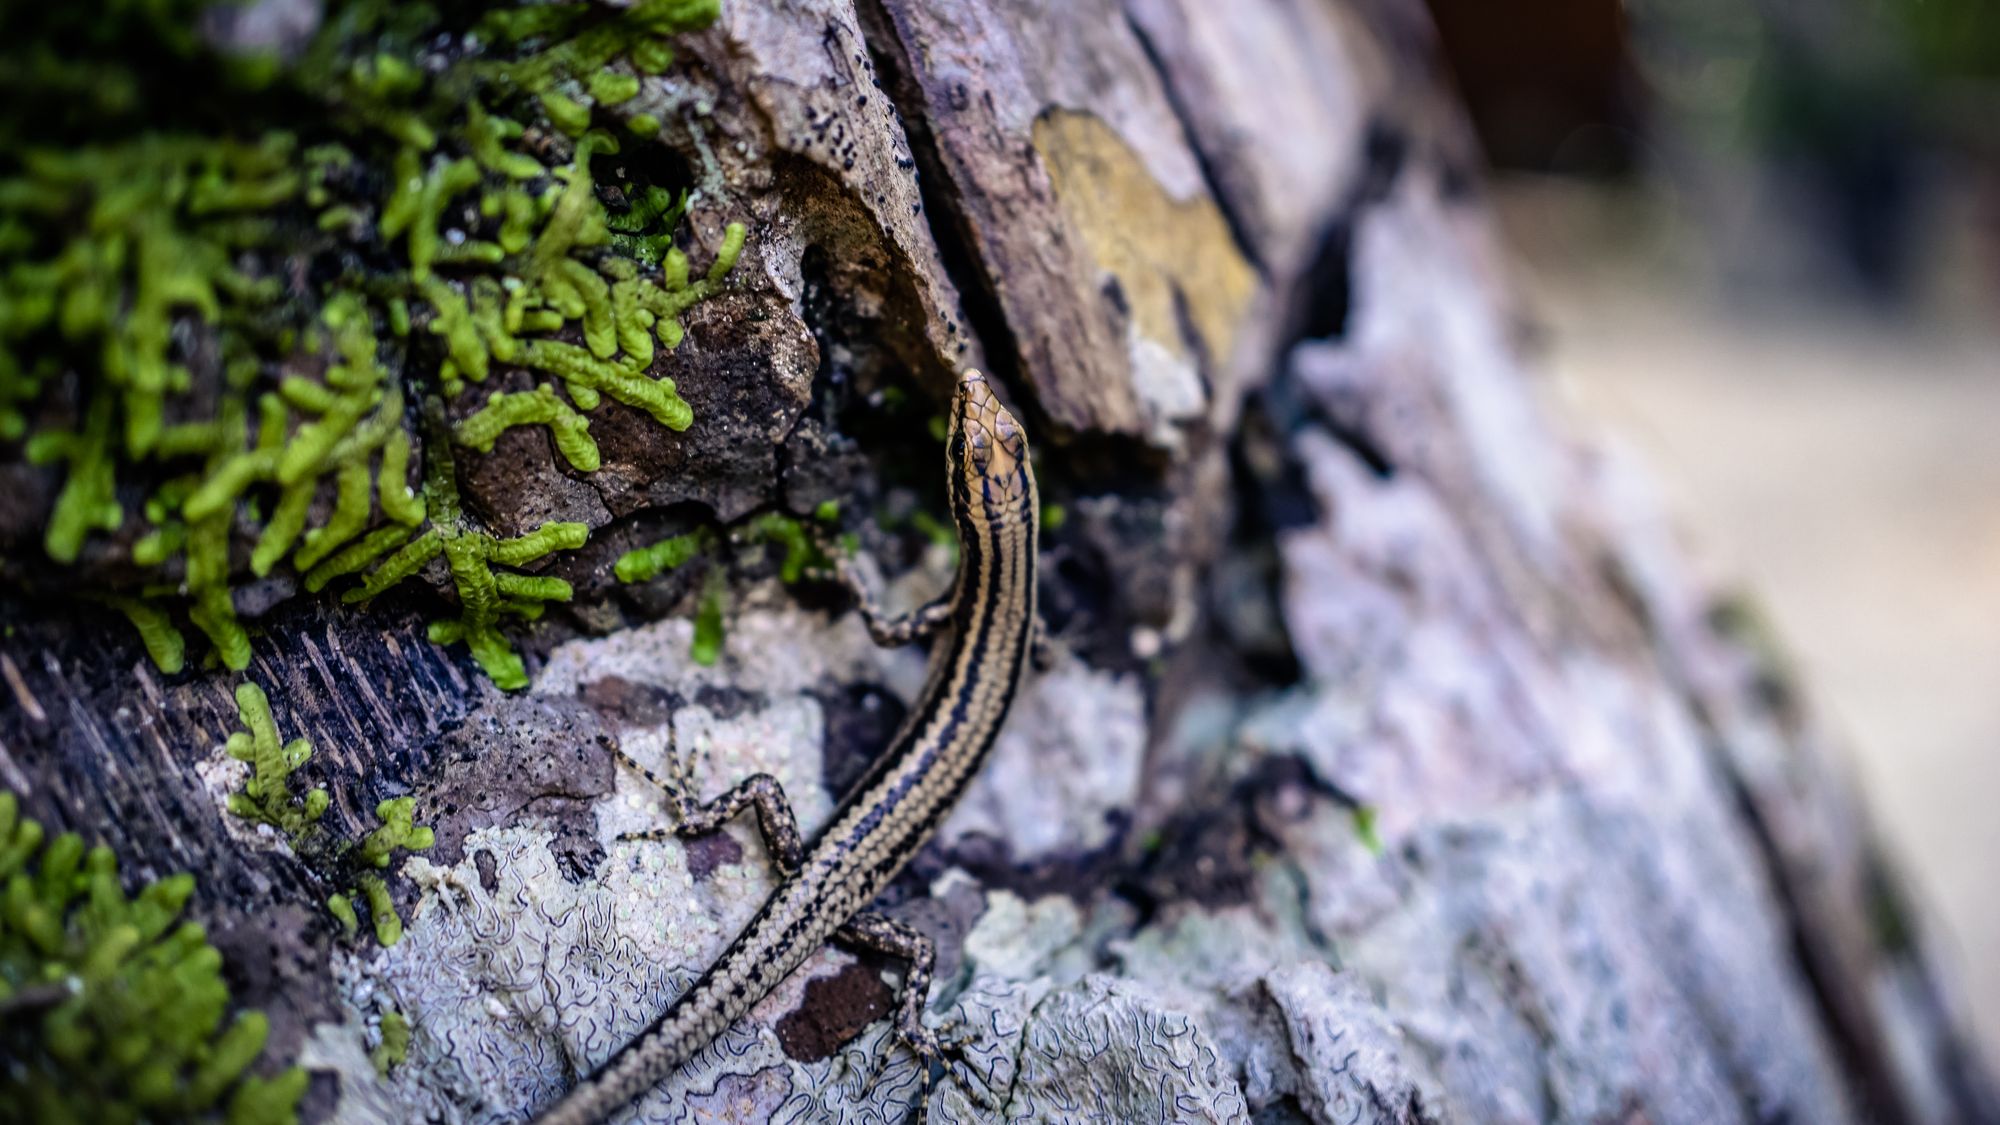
<point x="114" y="1012"/>
<point x="268" y="797"/>
<point x="189" y="279"/>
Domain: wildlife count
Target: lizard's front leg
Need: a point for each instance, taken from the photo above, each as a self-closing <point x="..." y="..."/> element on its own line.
<point x="775" y="820"/>
<point x="887" y="630"/>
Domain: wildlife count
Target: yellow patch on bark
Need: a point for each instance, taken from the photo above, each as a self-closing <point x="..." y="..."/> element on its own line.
<point x="1151" y="242"/>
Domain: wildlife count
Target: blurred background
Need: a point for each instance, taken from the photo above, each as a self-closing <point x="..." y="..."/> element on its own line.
<point x="1760" y="242"/>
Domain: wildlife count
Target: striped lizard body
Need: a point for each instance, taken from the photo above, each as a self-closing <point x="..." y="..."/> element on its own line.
<point x="825" y="890"/>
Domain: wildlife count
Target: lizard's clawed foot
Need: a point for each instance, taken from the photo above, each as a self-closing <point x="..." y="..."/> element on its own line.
<point x="937" y="1052"/>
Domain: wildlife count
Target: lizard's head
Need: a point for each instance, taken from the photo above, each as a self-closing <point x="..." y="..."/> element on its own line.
<point x="988" y="453"/>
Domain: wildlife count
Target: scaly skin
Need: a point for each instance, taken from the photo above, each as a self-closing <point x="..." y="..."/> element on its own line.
<point x="990" y="616"/>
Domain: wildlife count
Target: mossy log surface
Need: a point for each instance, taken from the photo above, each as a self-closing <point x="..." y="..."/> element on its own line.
<point x="1395" y="767"/>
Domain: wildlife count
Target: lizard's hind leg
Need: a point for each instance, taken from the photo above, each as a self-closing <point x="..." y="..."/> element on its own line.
<point x="883" y="934"/>
<point x="775" y="821"/>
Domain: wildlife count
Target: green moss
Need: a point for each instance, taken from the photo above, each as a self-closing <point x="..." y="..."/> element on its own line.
<point x="706" y="647"/>
<point x="399" y="502"/>
<point x="416" y="208"/>
<point x="382" y="908"/>
<point x="114" y="1012"/>
<point x="609" y="87"/>
<point x="645" y="563"/>
<point x="357" y="556"/>
<point x="644" y="231"/>
<point x="566" y="113"/>
<point x="163" y="642"/>
<point x="541" y="407"/>
<point x="1365" y="829"/>
<point x="470" y="554"/>
<point x="397" y="831"/>
<point x="801" y="549"/>
<point x="88" y="501"/>
<point x="342" y="909"/>
<point x="268" y="797"/>
<point x="488" y="134"/>
<point x="586" y="377"/>
<point x="132" y="253"/>
<point x="394" y="1046"/>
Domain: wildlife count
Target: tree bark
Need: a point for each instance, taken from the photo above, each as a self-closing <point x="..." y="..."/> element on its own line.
<point x="1395" y="766"/>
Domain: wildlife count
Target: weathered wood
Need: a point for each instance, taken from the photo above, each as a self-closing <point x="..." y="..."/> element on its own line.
<point x="1397" y="768"/>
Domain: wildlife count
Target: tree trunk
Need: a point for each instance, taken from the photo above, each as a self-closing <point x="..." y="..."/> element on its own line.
<point x="1393" y="765"/>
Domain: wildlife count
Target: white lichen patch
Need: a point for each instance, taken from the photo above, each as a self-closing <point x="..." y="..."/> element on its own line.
<point x="1208" y="952"/>
<point x="1105" y="1049"/>
<point x="776" y="652"/>
<point x="1015" y="938"/>
<point x="222" y="775"/>
<point x="516" y="976"/>
<point x="515" y="979"/>
<point x="783" y="739"/>
<point x="1168" y="387"/>
<point x="1067" y="761"/>
<point x="859" y="1086"/>
<point x="1352" y="1058"/>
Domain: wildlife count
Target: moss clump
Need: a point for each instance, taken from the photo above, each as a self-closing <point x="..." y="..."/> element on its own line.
<point x="246" y="315"/>
<point x="113" y="1012"/>
<point x="484" y="594"/>
<point x="268" y="797"/>
<point x="342" y="909"/>
<point x="394" y="1046"/>
<point x="541" y="407"/>
<point x="706" y="648"/>
<point x="645" y="563"/>
<point x="802" y="548"/>
<point x="804" y="553"/>
<point x="164" y="643"/>
<point x="1365" y="829"/>
<point x="397" y="831"/>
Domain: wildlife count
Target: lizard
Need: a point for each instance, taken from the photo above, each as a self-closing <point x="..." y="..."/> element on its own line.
<point x="989" y="619"/>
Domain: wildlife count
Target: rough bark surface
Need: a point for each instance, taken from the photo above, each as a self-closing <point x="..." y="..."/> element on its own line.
<point x="1396" y="768"/>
